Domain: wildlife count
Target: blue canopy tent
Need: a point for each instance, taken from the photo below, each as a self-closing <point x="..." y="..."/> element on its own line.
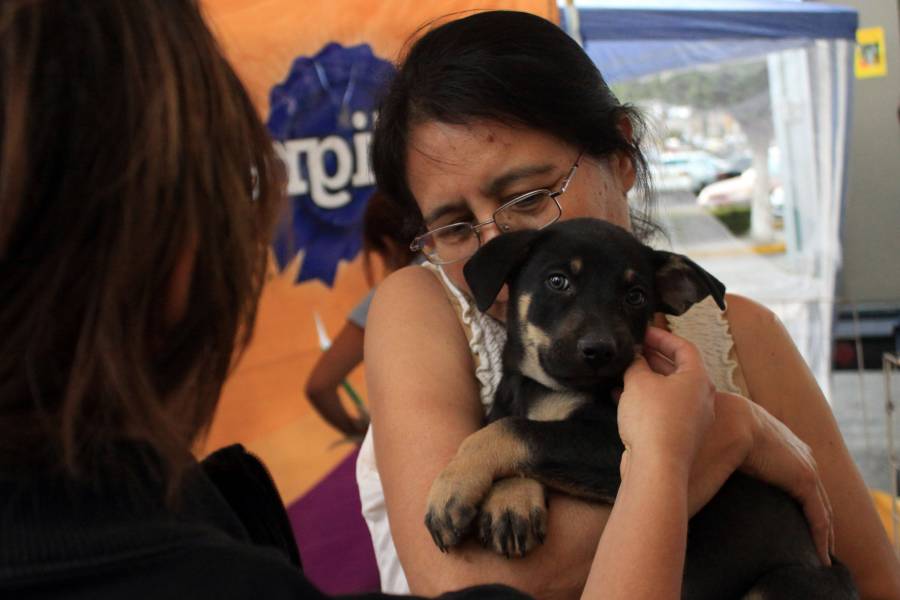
<point x="636" y="38"/>
<point x="809" y="51"/>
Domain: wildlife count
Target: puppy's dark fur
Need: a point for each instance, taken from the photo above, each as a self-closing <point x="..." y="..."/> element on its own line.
<point x="581" y="294"/>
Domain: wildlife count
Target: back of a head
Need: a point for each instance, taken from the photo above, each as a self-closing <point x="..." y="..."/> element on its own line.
<point x="128" y="154"/>
<point x="384" y="235"/>
<point x="511" y="67"/>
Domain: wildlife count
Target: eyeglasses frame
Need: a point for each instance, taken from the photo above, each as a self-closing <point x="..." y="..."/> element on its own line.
<point x="416" y="245"/>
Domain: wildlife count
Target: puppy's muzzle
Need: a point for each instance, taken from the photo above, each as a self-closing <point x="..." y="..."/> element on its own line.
<point x="597" y="350"/>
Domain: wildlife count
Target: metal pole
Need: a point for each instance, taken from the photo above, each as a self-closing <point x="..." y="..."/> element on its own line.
<point x="573" y="22"/>
<point x="860" y="381"/>
<point x="889" y="363"/>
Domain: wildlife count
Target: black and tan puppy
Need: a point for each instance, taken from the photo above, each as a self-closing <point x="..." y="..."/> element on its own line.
<point x="581" y="294"/>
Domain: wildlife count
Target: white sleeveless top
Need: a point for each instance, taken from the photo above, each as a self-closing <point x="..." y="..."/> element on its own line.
<point x="704" y="325"/>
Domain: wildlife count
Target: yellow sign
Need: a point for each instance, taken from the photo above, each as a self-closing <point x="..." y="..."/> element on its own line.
<point x="871" y="60"/>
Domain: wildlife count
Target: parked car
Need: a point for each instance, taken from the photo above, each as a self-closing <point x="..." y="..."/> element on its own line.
<point x="734" y="191"/>
<point x="737" y="192"/>
<point x="687" y="171"/>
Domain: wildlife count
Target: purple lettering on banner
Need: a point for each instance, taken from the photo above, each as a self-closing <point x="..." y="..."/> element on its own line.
<point x="321" y="120"/>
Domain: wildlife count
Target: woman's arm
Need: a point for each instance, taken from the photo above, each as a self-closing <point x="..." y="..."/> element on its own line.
<point x="424" y="403"/>
<point x="345" y="353"/>
<point x="641" y="554"/>
<point x="663" y="418"/>
<point x="779" y="381"/>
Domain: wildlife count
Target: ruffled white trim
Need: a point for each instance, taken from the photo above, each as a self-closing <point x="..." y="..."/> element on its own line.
<point x="706" y="326"/>
<point x="487" y="336"/>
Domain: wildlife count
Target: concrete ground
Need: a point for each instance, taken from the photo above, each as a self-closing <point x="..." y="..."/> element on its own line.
<point x="745" y="267"/>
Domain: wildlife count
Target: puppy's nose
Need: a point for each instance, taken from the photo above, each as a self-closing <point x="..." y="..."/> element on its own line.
<point x="597" y="350"/>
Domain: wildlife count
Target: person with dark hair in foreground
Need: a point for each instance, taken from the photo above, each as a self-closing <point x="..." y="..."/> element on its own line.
<point x="499" y="121"/>
<point x="138" y="191"/>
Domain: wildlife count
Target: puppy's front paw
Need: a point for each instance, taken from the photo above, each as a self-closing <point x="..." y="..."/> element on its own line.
<point x="513" y="517"/>
<point x="453" y="503"/>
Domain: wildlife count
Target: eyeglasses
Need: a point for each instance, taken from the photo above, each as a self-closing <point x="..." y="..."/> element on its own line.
<point x="458" y="241"/>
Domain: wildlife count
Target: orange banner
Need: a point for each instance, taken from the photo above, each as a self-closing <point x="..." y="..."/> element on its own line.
<point x="263" y="37"/>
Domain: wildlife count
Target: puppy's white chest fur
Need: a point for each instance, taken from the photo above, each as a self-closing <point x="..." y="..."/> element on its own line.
<point x="556" y="406"/>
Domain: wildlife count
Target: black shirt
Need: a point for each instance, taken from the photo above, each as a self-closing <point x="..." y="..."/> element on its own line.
<point x="226" y="537"/>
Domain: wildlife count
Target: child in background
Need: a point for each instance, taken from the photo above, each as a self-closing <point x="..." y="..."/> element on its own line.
<point x="382" y="236"/>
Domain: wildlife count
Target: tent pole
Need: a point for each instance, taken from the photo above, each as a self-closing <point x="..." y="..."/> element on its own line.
<point x="573" y="22"/>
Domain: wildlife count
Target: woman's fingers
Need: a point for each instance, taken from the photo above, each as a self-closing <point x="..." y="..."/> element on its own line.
<point x="817" y="509"/>
<point x="666" y="407"/>
<point x="780" y="458"/>
<point x="638" y="368"/>
<point x="659" y="363"/>
<point x="680" y="352"/>
<point x="826" y="545"/>
<point x="812" y="496"/>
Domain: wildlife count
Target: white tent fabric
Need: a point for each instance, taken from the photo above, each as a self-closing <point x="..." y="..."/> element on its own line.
<point x="810" y="93"/>
<point x="809" y="52"/>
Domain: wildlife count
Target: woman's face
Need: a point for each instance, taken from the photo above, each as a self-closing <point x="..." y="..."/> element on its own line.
<point x="465" y="172"/>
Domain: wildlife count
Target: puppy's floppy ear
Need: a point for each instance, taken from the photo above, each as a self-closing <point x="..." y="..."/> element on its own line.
<point x="680" y="283"/>
<point x="494" y="264"/>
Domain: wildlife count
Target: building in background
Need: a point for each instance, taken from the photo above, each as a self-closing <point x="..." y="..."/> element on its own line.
<point x="869" y="281"/>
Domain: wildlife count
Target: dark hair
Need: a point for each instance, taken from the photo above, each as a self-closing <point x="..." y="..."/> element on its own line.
<point x="511" y="67"/>
<point x="128" y="153"/>
<point x="384" y="234"/>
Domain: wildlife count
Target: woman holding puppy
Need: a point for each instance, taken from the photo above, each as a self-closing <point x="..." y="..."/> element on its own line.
<point x="138" y="192"/>
<point x="500" y="111"/>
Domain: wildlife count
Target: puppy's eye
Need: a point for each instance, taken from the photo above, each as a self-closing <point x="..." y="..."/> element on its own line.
<point x="558" y="282"/>
<point x="635" y="297"/>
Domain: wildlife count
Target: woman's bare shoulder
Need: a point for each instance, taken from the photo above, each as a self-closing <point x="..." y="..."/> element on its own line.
<point x="412" y="300"/>
<point x="411" y="274"/>
<point x="415" y="346"/>
<point x="746" y="315"/>
<point x="413" y="288"/>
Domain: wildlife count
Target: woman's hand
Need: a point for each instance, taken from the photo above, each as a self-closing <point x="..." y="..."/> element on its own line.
<point x="780" y="458"/>
<point x="664" y="414"/>
<point x="746" y="437"/>
<point x="663" y="419"/>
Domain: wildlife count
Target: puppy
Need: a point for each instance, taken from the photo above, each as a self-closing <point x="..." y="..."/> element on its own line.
<point x="581" y="295"/>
